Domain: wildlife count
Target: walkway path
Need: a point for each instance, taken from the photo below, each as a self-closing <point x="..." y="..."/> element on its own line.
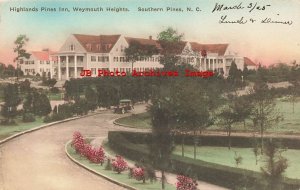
<point x="37" y="160"/>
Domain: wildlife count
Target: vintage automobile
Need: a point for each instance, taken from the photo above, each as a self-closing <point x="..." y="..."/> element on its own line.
<point x="124" y="106"/>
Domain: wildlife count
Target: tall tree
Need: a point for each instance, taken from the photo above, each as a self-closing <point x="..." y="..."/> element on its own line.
<point x="20" y="42"/>
<point x="190" y="109"/>
<point x="235" y="75"/>
<point x="172" y="45"/>
<point x="275" y="166"/>
<point x="264" y="111"/>
<point x="11" y="102"/>
<point x="161" y="145"/>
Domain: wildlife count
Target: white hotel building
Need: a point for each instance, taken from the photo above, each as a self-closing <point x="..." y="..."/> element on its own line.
<point x="91" y="52"/>
<point x="39" y="62"/>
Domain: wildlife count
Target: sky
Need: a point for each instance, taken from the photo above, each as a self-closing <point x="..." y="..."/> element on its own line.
<point x="263" y="43"/>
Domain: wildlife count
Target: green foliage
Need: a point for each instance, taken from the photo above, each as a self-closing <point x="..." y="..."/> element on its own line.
<point x="80" y="107"/>
<point x="238" y="159"/>
<point x="235" y="76"/>
<point x="48" y="82"/>
<point x="25" y="86"/>
<point x="11" y="101"/>
<point x="91" y="97"/>
<point x="275" y="165"/>
<point x="136" y="50"/>
<point x="264" y="114"/>
<point x="28" y="117"/>
<point x="108" y="165"/>
<point x="40" y="104"/>
<point x="170" y="35"/>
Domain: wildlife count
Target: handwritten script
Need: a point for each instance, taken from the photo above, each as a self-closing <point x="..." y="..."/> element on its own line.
<point x="252" y="8"/>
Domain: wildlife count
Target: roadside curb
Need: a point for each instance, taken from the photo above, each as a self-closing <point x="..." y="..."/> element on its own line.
<point x="47" y="125"/>
<point x="95" y="172"/>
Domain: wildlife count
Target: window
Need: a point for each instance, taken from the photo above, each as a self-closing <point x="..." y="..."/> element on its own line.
<point x="41" y="62"/>
<point x="72" y="47"/>
<point x="116" y="59"/>
<point x="48" y="62"/>
<point x="93" y="58"/>
<point x="122" y="59"/>
<point x="80" y="59"/>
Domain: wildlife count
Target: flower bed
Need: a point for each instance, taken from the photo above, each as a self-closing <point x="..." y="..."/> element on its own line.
<point x="79" y="150"/>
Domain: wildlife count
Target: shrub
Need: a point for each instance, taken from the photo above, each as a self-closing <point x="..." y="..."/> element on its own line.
<point x="28" y="117"/>
<point x="78" y="143"/>
<point x="54" y="90"/>
<point x="139" y="174"/>
<point x="185" y="183"/>
<point x="119" y="164"/>
<point x="98" y="155"/>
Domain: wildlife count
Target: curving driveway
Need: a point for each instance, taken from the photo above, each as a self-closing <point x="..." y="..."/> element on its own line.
<point x="37" y="160"/>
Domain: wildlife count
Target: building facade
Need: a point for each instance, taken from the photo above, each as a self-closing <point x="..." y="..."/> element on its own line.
<point x="40" y="62"/>
<point x="107" y="52"/>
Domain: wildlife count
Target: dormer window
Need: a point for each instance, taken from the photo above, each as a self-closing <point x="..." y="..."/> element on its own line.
<point x="89" y="46"/>
<point x="72" y="47"/>
<point x="98" y="47"/>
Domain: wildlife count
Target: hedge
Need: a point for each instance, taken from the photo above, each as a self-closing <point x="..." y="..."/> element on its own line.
<point x="215" y="140"/>
<point x="125" y="143"/>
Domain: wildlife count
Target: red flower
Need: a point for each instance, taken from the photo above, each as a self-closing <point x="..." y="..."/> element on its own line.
<point x="185" y="183"/>
<point x="119" y="164"/>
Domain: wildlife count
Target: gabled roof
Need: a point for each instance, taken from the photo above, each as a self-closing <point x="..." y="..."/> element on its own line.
<point x="42" y="55"/>
<point x="97" y="44"/>
<point x="249" y="62"/>
<point x="220" y="49"/>
<point x="143" y="41"/>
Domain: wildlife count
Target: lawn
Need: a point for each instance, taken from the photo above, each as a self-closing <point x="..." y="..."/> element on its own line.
<point x="53" y="96"/>
<point x="290" y="124"/>
<point x="224" y="156"/>
<point x="123" y="177"/>
<point x="6" y="131"/>
<point x="141" y="120"/>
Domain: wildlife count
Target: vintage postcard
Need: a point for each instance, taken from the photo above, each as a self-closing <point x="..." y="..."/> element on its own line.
<point x="149" y="94"/>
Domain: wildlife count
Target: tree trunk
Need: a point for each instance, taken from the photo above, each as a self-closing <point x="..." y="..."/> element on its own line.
<point x="261" y="138"/>
<point x="293" y="106"/>
<point x="162" y="179"/>
<point x="229" y="138"/>
<point x="182" y="145"/>
<point x="195" y="145"/>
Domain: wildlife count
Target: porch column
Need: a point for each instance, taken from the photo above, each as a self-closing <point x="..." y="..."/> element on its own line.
<point x="205" y="64"/>
<point x="75" y="64"/>
<point x="67" y="67"/>
<point x="214" y="62"/>
<point x="59" y="69"/>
